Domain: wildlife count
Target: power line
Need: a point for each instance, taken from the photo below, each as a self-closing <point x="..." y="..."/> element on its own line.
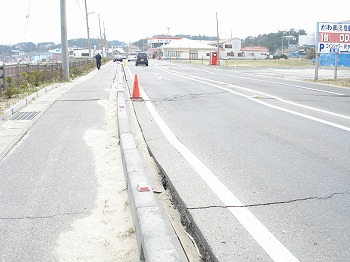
<point x="81" y="12"/>
<point x="27" y="20"/>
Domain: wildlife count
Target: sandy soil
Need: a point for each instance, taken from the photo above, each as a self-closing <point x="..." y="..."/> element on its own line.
<point x="107" y="234"/>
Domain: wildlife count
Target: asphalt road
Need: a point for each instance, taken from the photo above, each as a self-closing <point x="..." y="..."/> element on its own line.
<point x="259" y="164"/>
<point x="62" y="193"/>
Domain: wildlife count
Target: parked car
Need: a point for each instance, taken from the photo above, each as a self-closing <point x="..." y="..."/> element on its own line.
<point x="142" y="58"/>
<point x="132" y="57"/>
<point x="119" y="57"/>
<point x="227" y="58"/>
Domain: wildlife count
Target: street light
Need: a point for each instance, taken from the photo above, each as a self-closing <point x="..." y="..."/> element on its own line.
<point x="167" y="36"/>
<point x="288" y="37"/>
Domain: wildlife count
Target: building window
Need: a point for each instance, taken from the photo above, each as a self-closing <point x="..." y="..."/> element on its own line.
<point x="194" y="54"/>
<point x="228" y="46"/>
<point x="172" y="54"/>
<point x="156" y="45"/>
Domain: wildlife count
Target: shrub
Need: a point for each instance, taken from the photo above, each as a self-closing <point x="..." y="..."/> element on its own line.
<point x="310" y="53"/>
<point x="282" y="56"/>
<point x="11" y="92"/>
<point x="28" y="82"/>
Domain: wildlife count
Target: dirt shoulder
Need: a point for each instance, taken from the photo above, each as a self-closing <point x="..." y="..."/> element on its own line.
<point x="325" y="74"/>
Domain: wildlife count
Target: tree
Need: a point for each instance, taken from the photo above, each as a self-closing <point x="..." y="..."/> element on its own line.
<point x="273" y="41"/>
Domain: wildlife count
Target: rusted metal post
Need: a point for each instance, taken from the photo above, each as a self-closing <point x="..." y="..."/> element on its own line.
<point x="4" y="75"/>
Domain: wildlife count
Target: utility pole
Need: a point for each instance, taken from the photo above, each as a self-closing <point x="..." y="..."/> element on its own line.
<point x="64" y="42"/>
<point x="87" y="28"/>
<point x="104" y="39"/>
<point x="218" y="41"/>
<point x="101" y="42"/>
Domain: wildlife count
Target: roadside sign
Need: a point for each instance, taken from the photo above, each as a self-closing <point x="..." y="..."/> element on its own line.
<point x="333" y="37"/>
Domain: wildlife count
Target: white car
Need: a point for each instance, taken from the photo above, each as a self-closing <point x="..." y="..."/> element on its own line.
<point x="119" y="57"/>
<point x="226" y="58"/>
<point x="132" y="57"/>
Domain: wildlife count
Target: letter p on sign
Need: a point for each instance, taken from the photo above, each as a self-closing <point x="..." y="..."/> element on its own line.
<point x="321" y="48"/>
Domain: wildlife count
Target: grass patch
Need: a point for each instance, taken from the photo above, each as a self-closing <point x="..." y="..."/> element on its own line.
<point x="269" y="63"/>
<point x="294" y="62"/>
<point x="344" y="82"/>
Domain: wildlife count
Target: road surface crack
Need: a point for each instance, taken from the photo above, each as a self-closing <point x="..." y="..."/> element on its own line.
<point x="273" y="203"/>
<point x="188" y="96"/>
<point x="79" y="100"/>
<point x="45" y="217"/>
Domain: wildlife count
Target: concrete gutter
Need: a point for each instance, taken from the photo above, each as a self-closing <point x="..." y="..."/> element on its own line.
<point x="157" y="240"/>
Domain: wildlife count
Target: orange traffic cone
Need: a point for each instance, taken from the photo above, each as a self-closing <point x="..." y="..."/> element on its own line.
<point x="136" y="92"/>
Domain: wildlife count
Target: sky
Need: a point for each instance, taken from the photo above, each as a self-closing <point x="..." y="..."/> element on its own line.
<point x="131" y="20"/>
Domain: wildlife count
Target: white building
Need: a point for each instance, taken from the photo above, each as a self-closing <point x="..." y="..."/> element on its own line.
<point x="158" y="41"/>
<point x="254" y="52"/>
<point x="187" y="49"/>
<point x="307" y="40"/>
<point x="80" y="53"/>
<point x="228" y="47"/>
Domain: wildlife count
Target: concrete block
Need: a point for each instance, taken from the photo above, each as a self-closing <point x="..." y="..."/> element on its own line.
<point x="127" y="141"/>
<point x="124" y="126"/>
<point x="157" y="243"/>
<point x="132" y="160"/>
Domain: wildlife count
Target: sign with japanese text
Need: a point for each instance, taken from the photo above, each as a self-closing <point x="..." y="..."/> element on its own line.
<point x="333" y="37"/>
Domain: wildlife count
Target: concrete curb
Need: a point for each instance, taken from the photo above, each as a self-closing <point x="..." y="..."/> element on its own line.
<point x="157" y="241"/>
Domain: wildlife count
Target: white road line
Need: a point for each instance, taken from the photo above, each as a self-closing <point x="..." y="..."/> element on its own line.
<point x="283" y="100"/>
<point x="269" y="81"/>
<point x="205" y="81"/>
<point x="273" y="247"/>
<point x="265" y="94"/>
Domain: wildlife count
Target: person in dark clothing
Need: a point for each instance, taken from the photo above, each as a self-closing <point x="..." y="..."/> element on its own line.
<point x="98" y="61"/>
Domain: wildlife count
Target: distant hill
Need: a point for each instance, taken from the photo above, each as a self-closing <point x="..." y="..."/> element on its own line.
<point x="192" y="37"/>
<point x="30" y="47"/>
<point x="273" y="41"/>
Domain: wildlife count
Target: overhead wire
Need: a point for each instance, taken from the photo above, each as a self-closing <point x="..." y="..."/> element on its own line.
<point x="27" y="20"/>
<point x="81" y="12"/>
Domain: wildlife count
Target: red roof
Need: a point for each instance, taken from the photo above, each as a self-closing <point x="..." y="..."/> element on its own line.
<point x="164" y="37"/>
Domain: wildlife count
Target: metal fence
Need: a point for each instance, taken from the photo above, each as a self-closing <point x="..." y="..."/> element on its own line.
<point x="15" y="70"/>
<point x="329" y="59"/>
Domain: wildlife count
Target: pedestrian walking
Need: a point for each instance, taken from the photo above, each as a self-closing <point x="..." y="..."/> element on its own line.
<point x="98" y="60"/>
